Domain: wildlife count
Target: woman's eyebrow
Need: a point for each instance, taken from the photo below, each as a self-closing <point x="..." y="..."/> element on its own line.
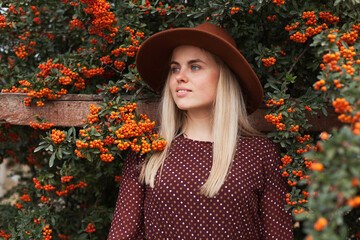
<point x="174" y="62"/>
<point x="189" y="62"/>
<point x="195" y="61"/>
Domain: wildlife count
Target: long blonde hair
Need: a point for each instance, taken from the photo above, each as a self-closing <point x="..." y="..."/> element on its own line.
<point x="229" y="107"/>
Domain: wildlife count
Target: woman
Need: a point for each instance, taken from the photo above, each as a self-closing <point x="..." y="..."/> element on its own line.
<point x="218" y="178"/>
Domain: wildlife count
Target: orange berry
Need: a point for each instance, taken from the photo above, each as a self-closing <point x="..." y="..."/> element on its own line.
<point x="320" y="224"/>
<point x="324" y="136"/>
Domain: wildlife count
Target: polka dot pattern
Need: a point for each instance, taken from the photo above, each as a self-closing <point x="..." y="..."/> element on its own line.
<point x="250" y="204"/>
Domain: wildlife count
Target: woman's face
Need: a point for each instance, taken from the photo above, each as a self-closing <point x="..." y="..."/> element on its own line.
<point x="194" y="75"/>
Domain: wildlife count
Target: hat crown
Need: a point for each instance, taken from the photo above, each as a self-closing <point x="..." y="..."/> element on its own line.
<point x="217" y="31"/>
<point x="152" y="59"/>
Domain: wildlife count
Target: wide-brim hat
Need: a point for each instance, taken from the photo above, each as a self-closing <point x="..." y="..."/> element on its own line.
<point x="152" y="59"/>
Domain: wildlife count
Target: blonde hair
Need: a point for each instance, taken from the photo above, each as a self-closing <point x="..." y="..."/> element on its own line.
<point x="229" y="107"/>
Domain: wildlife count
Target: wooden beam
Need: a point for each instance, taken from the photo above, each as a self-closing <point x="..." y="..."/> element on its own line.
<point x="70" y="109"/>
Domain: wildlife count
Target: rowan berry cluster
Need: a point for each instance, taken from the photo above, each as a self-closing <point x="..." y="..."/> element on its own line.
<point x="25" y="197"/>
<point x="271" y="18"/>
<point x="350" y="38"/>
<point x="330" y="61"/>
<point x="272" y="102"/>
<point x="66" y="179"/>
<point x="119" y="65"/>
<point x="102" y="22"/>
<point x="90" y="228"/>
<point x="62" y="236"/>
<point x="125" y="129"/>
<point x="290" y="110"/>
<point x="19" y="206"/>
<point x="37" y="20"/>
<point x="47" y="187"/>
<point x="131" y="49"/>
<point x="274" y="118"/>
<point x="251" y="10"/>
<point x="313" y="28"/>
<point x="161" y="9"/>
<point x="290" y="28"/>
<point x="47" y="232"/>
<point x="114" y="90"/>
<point x="93" y="116"/>
<point x="3" y="23"/>
<point x="65" y="77"/>
<point x="331" y="37"/>
<point x="341" y="105"/>
<point x="44" y="199"/>
<point x="22" y="51"/>
<point x="329" y="18"/>
<point x="42" y="125"/>
<point x="298" y="37"/>
<point x="310" y="18"/>
<point x="303" y="139"/>
<point x="320" y="85"/>
<point x="310" y="31"/>
<point x="57" y="136"/>
<point x="92" y="72"/>
<point x="348" y="54"/>
<point x="292" y="202"/>
<point x="106" y="60"/>
<point x="294" y="128"/>
<point x="35" y="10"/>
<point x="286" y="160"/>
<point x="234" y="10"/>
<point x="70" y="188"/>
<point x="4" y="235"/>
<point x="279" y="2"/>
<point x="76" y="24"/>
<point x="268" y="62"/>
<point x="308" y="148"/>
<point x="12" y="9"/>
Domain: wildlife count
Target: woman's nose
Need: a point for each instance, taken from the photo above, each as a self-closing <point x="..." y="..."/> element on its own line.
<point x="181" y="76"/>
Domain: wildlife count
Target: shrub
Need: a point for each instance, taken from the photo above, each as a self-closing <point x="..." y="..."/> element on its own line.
<point x="304" y="52"/>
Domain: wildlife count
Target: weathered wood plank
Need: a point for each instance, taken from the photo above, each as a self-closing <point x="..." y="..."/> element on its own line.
<point x="70" y="109"/>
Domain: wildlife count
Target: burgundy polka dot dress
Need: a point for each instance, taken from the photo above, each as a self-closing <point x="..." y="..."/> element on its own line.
<point x="250" y="204"/>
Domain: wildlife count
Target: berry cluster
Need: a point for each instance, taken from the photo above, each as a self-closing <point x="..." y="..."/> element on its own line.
<point x="90" y="228"/>
<point x="268" y="62"/>
<point x="125" y="129"/>
<point x="57" y="136"/>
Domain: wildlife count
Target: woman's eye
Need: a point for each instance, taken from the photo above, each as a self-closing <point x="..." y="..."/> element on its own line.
<point x="174" y="69"/>
<point x="195" y="67"/>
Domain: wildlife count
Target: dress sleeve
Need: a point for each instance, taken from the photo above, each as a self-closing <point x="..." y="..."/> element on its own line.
<point x="276" y="222"/>
<point x="128" y="219"/>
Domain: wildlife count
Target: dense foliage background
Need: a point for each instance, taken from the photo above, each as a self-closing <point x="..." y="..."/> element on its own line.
<point x="306" y="54"/>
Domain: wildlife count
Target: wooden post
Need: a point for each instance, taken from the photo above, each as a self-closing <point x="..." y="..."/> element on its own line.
<point x="70" y="109"/>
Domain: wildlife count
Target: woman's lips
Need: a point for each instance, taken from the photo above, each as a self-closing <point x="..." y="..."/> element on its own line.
<point x="182" y="92"/>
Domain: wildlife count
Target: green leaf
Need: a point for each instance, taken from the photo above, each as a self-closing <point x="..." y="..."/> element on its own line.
<point x="59" y="154"/>
<point x="88" y="157"/>
<point x="324" y="111"/>
<point x="337" y="2"/>
<point x="51" y="160"/>
<point x="39" y="148"/>
<point x="83" y="236"/>
<point x="50" y="148"/>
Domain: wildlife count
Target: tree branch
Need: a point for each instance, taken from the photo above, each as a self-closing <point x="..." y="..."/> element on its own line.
<point x="298" y="58"/>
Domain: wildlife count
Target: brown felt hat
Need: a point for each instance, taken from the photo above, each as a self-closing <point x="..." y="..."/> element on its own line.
<point x="153" y="58"/>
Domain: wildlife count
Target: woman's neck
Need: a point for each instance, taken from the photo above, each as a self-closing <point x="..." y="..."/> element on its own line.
<point x="198" y="127"/>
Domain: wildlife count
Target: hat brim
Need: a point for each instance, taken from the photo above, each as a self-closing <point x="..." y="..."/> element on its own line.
<point x="152" y="60"/>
